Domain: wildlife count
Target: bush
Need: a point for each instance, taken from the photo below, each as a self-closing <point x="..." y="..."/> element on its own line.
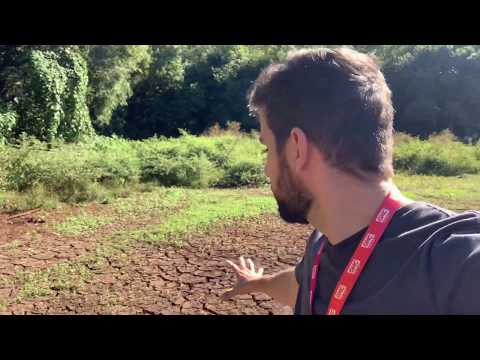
<point x="244" y="174"/>
<point x="56" y="166"/>
<point x="216" y="160"/>
<point x="4" y="159"/>
<point x="35" y="197"/>
<point x="8" y="120"/>
<point x="100" y="168"/>
<point x="186" y="161"/>
<point x="441" y="155"/>
<point x="116" y="161"/>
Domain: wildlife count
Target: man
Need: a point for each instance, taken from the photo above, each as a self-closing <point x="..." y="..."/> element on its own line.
<point x="326" y="118"/>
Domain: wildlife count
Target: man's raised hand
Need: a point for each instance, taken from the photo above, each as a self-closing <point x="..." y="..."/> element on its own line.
<point x="247" y="277"/>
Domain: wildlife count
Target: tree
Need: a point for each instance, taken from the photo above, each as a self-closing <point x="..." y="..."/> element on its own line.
<point x="53" y="102"/>
<point x="114" y="70"/>
<point x="437" y="90"/>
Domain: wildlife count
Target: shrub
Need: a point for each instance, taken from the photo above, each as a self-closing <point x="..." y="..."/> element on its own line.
<point x="441" y="155"/>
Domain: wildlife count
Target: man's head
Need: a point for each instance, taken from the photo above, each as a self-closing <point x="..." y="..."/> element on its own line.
<point x="322" y="111"/>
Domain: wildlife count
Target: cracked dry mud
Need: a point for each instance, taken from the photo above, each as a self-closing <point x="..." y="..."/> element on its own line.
<point x="161" y="279"/>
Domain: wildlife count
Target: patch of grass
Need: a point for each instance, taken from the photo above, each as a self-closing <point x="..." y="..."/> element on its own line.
<point x="71" y="276"/>
<point x="63" y="276"/>
<point x="36" y="197"/>
<point x="456" y="193"/>
<point x="441" y="155"/>
<point x="110" y="248"/>
<point x="15" y="244"/>
<point x="81" y="224"/>
<point x="137" y="204"/>
<point x="11" y="248"/>
<point x="150" y="199"/>
<point x="206" y="209"/>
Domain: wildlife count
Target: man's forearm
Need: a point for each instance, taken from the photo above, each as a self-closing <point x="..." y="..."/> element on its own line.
<point x="282" y="286"/>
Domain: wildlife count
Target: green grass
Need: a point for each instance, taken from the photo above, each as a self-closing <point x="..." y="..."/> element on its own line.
<point x="455" y="193"/>
<point x="81" y="224"/>
<point x="150" y="199"/>
<point x="36" y="197"/>
<point x="64" y="276"/>
<point x="154" y="202"/>
<point x="205" y="210"/>
<point x="15" y="244"/>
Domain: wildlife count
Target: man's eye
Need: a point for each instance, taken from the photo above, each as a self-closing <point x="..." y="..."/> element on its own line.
<point x="265" y="150"/>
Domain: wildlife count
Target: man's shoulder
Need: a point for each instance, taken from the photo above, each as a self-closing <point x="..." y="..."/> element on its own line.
<point x="458" y="237"/>
<point x="443" y="247"/>
<point x="432" y="220"/>
<point x="454" y="258"/>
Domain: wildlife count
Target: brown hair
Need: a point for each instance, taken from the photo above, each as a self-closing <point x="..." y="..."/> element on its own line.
<point x="339" y="98"/>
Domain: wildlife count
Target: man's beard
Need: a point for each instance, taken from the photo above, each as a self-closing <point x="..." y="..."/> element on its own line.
<point x="293" y="200"/>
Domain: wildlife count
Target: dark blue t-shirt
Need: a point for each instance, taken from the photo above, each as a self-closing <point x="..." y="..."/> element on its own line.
<point x="427" y="262"/>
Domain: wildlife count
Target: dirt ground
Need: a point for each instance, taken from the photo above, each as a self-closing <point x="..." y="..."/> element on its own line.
<point x="152" y="279"/>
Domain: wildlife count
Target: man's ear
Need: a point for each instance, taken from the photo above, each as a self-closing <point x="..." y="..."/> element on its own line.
<point x="299" y="148"/>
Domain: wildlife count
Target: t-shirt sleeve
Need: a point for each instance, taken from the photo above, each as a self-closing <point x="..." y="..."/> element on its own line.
<point x="456" y="274"/>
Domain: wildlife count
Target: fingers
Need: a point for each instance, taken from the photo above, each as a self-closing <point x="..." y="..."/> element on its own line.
<point x="251" y="264"/>
<point x="246" y="274"/>
<point x="243" y="265"/>
<point x="232" y="264"/>
<point x="242" y="261"/>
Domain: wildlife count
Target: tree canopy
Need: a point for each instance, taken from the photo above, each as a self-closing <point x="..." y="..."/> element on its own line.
<point x="139" y="91"/>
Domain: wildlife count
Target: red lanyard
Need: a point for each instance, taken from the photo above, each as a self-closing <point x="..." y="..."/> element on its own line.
<point x="360" y="257"/>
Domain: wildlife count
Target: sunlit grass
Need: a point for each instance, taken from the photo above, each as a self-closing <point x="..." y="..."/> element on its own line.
<point x="204" y="210"/>
<point x="455" y="193"/>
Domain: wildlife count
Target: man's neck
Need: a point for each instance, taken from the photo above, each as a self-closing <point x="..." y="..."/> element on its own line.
<point x="349" y="207"/>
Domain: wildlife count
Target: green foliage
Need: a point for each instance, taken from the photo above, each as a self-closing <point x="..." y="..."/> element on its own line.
<point x="187" y="161"/>
<point x="244" y="174"/>
<point x="224" y="158"/>
<point x="434" y="89"/>
<point x="139" y="91"/>
<point x="8" y="120"/>
<point x="79" y="172"/>
<point x="76" y="122"/>
<point x="115" y="160"/>
<point x="81" y="224"/>
<point x="36" y="197"/>
<point x="73" y="172"/>
<point x="114" y="71"/>
<point x="54" y="104"/>
<point x="442" y="155"/>
<point x="192" y="87"/>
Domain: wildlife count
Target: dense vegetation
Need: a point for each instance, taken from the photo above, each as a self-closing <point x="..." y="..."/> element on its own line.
<point x="78" y="123"/>
<point x="139" y="91"/>
<point x="102" y="167"/>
